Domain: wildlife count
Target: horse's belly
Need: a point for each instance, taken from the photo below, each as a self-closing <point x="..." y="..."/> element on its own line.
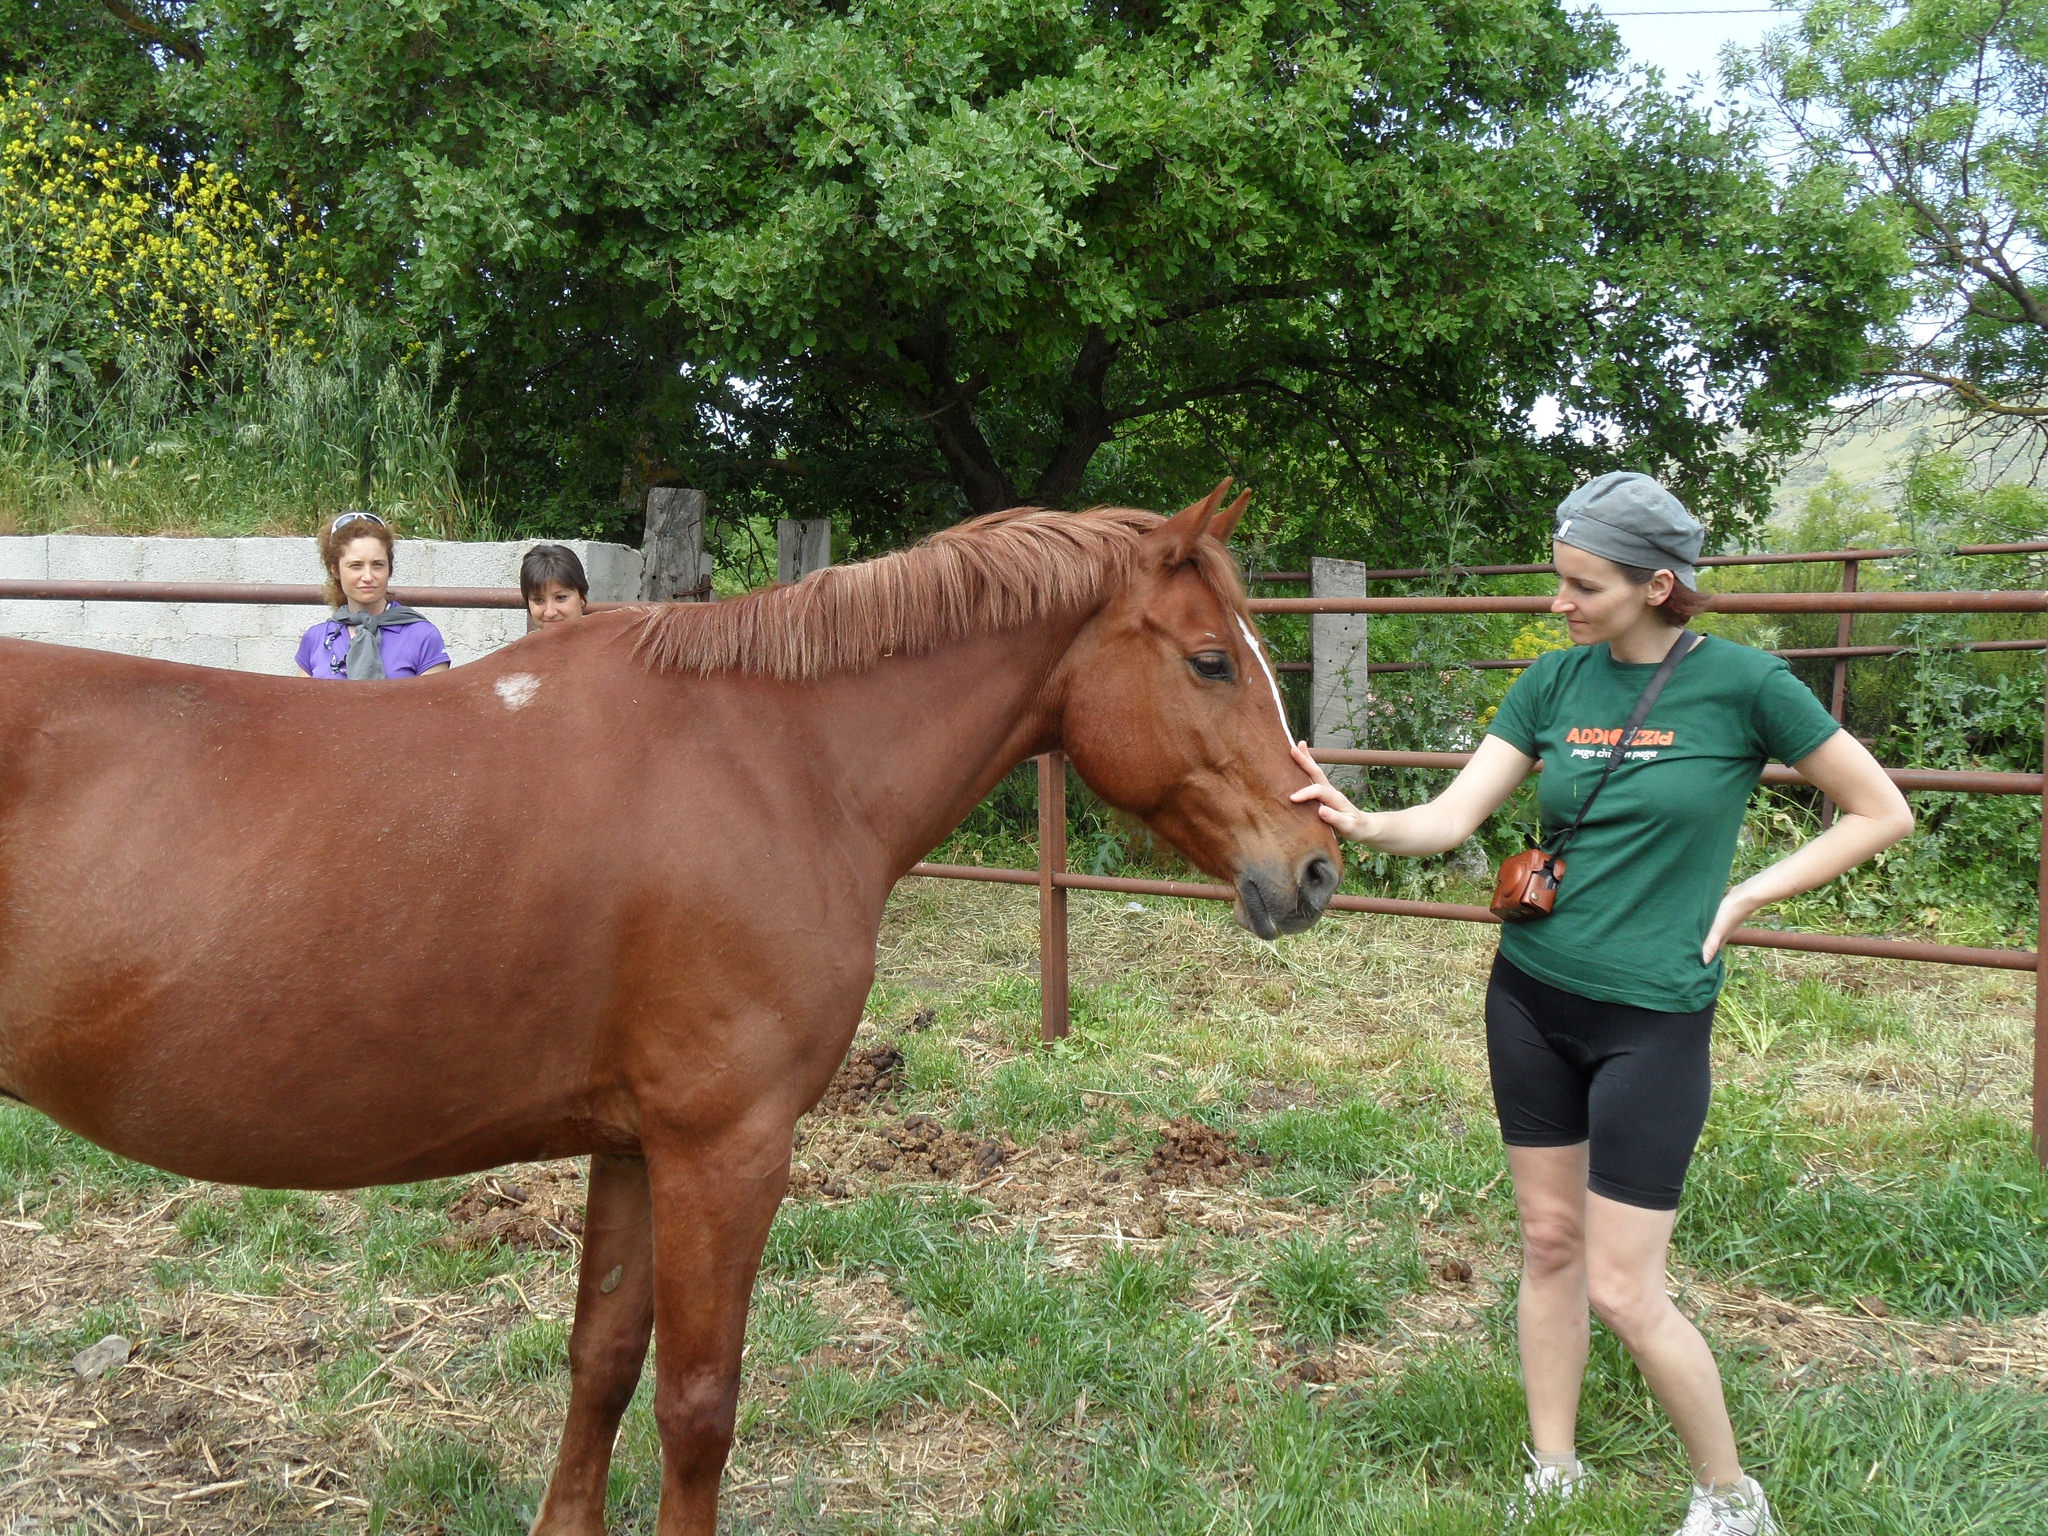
<point x="321" y="1109"/>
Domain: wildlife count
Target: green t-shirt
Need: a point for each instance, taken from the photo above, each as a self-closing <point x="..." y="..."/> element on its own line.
<point x="1646" y="873"/>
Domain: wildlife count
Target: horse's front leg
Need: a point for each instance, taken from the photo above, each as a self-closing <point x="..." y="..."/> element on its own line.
<point x="714" y="1200"/>
<point x="614" y="1315"/>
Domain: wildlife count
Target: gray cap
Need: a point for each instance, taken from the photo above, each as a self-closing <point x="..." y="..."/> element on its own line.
<point x="1632" y="520"/>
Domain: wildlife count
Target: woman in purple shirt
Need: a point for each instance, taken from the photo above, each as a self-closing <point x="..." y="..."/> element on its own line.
<point x="369" y="636"/>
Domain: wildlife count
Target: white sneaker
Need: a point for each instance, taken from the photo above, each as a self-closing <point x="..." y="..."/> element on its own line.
<point x="1739" y="1511"/>
<point x="1544" y="1487"/>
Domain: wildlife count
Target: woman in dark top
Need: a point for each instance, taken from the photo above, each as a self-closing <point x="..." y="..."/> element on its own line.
<point x="368" y="636"/>
<point x="1598" y="1016"/>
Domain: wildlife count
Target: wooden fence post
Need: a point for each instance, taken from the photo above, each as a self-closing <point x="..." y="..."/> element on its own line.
<point x="1052" y="899"/>
<point x="802" y="545"/>
<point x="677" y="570"/>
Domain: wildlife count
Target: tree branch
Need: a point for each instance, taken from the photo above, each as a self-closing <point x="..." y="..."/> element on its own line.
<point x="1173" y="402"/>
<point x="1249" y="292"/>
<point x="1967" y="390"/>
<point x="183" y="44"/>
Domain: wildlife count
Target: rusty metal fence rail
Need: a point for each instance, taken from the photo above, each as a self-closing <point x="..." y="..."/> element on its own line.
<point x="1841" y="652"/>
<point x="1054" y="880"/>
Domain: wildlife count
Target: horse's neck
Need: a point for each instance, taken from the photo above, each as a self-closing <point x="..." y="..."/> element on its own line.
<point x="918" y="741"/>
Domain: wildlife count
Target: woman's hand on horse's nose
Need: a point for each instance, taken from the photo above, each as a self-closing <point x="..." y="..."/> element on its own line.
<point x="1343" y="817"/>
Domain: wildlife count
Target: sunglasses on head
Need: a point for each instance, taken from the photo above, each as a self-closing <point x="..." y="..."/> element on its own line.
<point x="350" y="517"/>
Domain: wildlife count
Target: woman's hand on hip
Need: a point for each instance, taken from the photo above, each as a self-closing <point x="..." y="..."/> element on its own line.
<point x="1736" y="909"/>
<point x="1344" y="818"/>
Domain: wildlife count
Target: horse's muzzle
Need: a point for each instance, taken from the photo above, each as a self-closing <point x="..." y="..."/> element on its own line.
<point x="1271" y="902"/>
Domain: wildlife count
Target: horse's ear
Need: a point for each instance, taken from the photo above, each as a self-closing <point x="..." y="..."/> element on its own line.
<point x="1224" y="523"/>
<point x="1175" y="540"/>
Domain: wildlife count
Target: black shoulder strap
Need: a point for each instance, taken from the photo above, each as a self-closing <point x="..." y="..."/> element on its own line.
<point x="1686" y="642"/>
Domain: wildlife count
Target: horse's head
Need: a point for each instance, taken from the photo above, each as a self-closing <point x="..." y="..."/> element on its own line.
<point x="1170" y="710"/>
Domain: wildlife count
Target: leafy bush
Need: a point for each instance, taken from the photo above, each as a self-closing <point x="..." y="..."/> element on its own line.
<point x="177" y="354"/>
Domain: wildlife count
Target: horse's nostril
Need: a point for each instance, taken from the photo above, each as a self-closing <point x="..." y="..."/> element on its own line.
<point x="1318" y="877"/>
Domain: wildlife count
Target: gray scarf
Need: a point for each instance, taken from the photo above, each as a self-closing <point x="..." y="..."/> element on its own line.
<point x="365" y="645"/>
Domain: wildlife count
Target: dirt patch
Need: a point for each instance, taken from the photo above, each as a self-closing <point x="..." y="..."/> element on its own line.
<point x="862" y="1078"/>
<point x="539" y="1208"/>
<point x="1267" y="1098"/>
<point x="1803" y="1333"/>
<point x="203" y="1431"/>
<point x="917" y="1148"/>
<point x="1190" y="1150"/>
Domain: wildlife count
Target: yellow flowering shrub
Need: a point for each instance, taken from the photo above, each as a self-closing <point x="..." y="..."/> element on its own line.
<point x="1539" y="635"/>
<point x="128" y="249"/>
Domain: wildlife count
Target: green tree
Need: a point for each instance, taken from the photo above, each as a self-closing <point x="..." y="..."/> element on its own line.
<point x="911" y="260"/>
<point x="106" y="57"/>
<point x="1935" y="115"/>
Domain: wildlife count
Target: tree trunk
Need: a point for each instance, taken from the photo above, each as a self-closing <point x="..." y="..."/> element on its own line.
<point x="949" y="411"/>
<point x="1085" y="422"/>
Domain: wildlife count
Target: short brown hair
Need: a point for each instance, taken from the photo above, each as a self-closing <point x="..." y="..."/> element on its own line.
<point x="344" y="529"/>
<point x="1679" y="609"/>
<point x="552" y="562"/>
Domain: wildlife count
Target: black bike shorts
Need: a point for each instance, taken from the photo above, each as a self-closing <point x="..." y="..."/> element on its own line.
<point x="1631" y="1082"/>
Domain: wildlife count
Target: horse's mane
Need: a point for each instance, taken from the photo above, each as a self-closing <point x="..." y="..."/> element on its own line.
<point x="994" y="573"/>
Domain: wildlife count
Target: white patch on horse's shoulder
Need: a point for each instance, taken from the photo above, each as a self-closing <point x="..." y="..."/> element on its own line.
<point x="517" y="690"/>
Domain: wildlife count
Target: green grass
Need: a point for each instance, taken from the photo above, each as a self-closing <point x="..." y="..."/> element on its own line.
<point x="1759" y="1012"/>
<point x="47" y="1172"/>
<point x="1434" y="1450"/>
<point x="449" y="1485"/>
<point x="885" y="1231"/>
<point x="534" y="1352"/>
<point x="1322" y="1287"/>
<point x="1953" y="1229"/>
<point x="1441" y="1158"/>
<point x="1867" y="1141"/>
<point x="252" y="1241"/>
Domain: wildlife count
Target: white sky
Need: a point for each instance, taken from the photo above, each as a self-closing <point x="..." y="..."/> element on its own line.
<point x="1680" y="38"/>
<point x="1683" y="38"/>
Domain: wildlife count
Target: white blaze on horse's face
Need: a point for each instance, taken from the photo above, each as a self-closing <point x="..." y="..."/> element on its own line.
<point x="1251" y="643"/>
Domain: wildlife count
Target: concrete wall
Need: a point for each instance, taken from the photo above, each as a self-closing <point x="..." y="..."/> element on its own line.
<point x="257" y="637"/>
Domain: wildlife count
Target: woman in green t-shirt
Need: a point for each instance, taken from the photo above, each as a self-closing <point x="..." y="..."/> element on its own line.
<point x="1598" y="1016"/>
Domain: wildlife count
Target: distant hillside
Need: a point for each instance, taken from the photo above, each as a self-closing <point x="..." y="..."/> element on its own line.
<point x="1867" y="452"/>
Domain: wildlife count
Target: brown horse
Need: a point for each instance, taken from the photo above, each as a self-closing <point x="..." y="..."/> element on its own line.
<point x="614" y="890"/>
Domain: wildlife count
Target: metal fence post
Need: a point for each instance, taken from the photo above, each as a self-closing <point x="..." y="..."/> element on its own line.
<point x="1838" y="701"/>
<point x="1052" y="899"/>
<point x="2041" y="959"/>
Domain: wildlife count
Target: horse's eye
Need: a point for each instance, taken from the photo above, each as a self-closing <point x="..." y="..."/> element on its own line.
<point x="1213" y="665"/>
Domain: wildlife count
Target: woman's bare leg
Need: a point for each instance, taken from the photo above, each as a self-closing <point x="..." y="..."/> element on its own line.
<point x="1625" y="1276"/>
<point x="1551" y="1326"/>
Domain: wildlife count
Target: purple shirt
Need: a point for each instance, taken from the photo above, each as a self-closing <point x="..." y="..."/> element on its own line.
<point x="409" y="649"/>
